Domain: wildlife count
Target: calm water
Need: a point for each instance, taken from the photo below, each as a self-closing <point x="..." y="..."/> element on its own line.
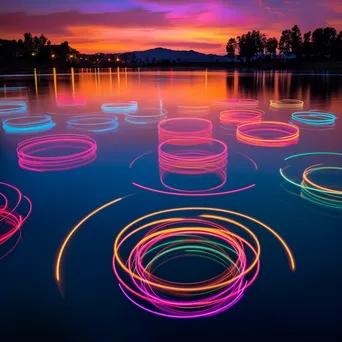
<point x="303" y="305"/>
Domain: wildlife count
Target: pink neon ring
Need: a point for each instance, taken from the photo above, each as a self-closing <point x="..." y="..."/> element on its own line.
<point x="29" y="158"/>
<point x="172" y="129"/>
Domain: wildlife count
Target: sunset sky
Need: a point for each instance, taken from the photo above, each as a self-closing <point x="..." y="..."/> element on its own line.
<point x="127" y="25"/>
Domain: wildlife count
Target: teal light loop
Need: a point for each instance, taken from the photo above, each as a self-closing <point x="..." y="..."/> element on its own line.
<point x="314" y="118"/>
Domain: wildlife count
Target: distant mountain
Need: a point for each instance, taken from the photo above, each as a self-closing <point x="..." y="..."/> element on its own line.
<point x="160" y="54"/>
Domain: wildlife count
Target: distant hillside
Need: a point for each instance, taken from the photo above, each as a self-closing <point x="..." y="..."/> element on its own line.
<point x="160" y="54"/>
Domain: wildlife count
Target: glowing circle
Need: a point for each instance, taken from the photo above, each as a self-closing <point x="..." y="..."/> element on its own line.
<point x="287" y="104"/>
<point x="12" y="216"/>
<point x="8" y="107"/>
<point x="39" y="154"/>
<point x="314" y="118"/>
<point x="93" y="123"/>
<point x="185" y="130"/>
<point x="234" y="117"/>
<point x="28" y="124"/>
<point x="194" y="231"/>
<point x="312" y="191"/>
<point x="146" y="116"/>
<point x="193" y="159"/>
<point x="268" y="134"/>
<point x="120" y="107"/>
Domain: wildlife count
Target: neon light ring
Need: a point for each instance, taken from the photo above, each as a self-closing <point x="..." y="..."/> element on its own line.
<point x="193" y="110"/>
<point x="312" y="191"/>
<point x="237" y="103"/>
<point x="234" y="117"/>
<point x="194" y="232"/>
<point x="207" y="157"/>
<point x="93" y="123"/>
<point x="12" y="216"/>
<point x="70" y="100"/>
<point x="185" y="130"/>
<point x="120" y="107"/>
<point x="190" y="163"/>
<point x="56" y="152"/>
<point x="8" y="107"/>
<point x="313" y="118"/>
<point x="268" y="134"/>
<point x="286" y="104"/>
<point x="146" y="116"/>
<point x="28" y="124"/>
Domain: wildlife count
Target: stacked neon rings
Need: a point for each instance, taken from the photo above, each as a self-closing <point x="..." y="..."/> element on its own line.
<point x="120" y="107"/>
<point x="195" y="232"/>
<point x="234" y="117"/>
<point x="312" y="191"/>
<point x="287" y="104"/>
<point x="11" y="217"/>
<point x="8" y="107"/>
<point x="192" y="160"/>
<point x="193" y="110"/>
<point x="185" y="130"/>
<point x="237" y="103"/>
<point x="314" y="118"/>
<point x="268" y="134"/>
<point x="93" y="123"/>
<point x="70" y="100"/>
<point x="39" y="154"/>
<point x="203" y="157"/>
<point x="28" y="124"/>
<point x="146" y="116"/>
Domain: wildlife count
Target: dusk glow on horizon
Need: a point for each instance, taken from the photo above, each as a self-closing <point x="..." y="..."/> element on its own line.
<point x="120" y="26"/>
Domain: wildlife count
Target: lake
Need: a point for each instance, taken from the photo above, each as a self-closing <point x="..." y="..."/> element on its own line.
<point x="200" y="162"/>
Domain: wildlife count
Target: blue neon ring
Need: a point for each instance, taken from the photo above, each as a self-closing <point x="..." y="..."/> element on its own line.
<point x="147" y="119"/>
<point x="314" y="118"/>
<point x="86" y="123"/>
<point x="12" y="107"/>
<point x="120" y="107"/>
<point x="28" y="124"/>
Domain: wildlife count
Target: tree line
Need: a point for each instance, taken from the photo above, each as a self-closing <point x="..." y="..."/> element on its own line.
<point x="321" y="43"/>
<point x="34" y="48"/>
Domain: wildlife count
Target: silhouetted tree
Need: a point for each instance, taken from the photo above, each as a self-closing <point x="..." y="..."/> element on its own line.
<point x="285" y="42"/>
<point x="42" y="40"/>
<point x="231" y="47"/>
<point x="307" y="43"/>
<point x="251" y="44"/>
<point x="272" y="45"/>
<point x="28" y="42"/>
<point x="296" y="40"/>
<point x="337" y="46"/>
<point x="323" y="41"/>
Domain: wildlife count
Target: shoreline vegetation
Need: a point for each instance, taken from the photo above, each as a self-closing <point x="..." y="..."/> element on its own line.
<point x="320" y="50"/>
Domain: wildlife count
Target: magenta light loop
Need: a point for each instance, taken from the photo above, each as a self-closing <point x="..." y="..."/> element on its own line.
<point x="185" y="130"/>
<point x="208" y="157"/>
<point x="56" y="152"/>
<point x="13" y="214"/>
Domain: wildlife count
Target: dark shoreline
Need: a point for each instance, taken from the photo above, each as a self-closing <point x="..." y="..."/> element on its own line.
<point x="276" y="65"/>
